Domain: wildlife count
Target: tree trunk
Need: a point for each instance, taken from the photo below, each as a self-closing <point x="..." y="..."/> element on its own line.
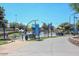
<point x="51" y="32"/>
<point x="4" y="34"/>
<point x="48" y="32"/>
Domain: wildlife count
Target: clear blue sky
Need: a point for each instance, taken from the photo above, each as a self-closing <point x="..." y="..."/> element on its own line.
<point x="44" y="12"/>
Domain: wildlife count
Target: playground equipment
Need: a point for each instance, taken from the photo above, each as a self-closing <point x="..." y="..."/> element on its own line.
<point x="35" y="31"/>
<point x="35" y="34"/>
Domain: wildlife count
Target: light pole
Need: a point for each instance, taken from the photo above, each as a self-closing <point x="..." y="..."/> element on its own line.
<point x="75" y="22"/>
<point x="74" y="19"/>
<point x="73" y="14"/>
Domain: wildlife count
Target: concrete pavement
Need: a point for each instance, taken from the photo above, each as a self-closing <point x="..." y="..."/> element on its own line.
<point x="62" y="47"/>
<point x="39" y="48"/>
<point x="49" y="47"/>
<point x="10" y="47"/>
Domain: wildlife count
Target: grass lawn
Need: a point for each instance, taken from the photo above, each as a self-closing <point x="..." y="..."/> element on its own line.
<point x="43" y="38"/>
<point x="17" y="34"/>
<point x="11" y="35"/>
<point x="50" y="37"/>
<point x="3" y="42"/>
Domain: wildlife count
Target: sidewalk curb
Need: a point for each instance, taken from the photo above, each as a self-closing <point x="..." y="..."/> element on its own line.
<point x="74" y="41"/>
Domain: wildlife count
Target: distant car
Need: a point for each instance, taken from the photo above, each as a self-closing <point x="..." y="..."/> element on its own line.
<point x="59" y="34"/>
<point x="74" y="33"/>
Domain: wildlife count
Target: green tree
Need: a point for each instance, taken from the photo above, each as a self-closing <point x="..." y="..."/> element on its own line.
<point x="14" y="25"/>
<point x="6" y="22"/>
<point x="1" y="16"/>
<point x="45" y="28"/>
<point x="21" y="26"/>
<point x="65" y="27"/>
<point x="75" y="6"/>
<point x="77" y="25"/>
<point x="2" y="21"/>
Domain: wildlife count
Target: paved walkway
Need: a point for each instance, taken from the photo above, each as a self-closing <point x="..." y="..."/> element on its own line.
<point x="38" y="48"/>
<point x="49" y="47"/>
<point x="9" y="48"/>
<point x="62" y="47"/>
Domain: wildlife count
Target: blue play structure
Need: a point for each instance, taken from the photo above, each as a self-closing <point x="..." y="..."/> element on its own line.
<point x="36" y="29"/>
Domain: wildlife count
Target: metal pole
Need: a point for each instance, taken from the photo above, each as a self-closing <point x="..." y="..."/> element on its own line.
<point x="16" y="18"/>
<point x="75" y="22"/>
<point x="70" y="19"/>
<point x="48" y="30"/>
<point x="70" y="23"/>
<point x="51" y="29"/>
